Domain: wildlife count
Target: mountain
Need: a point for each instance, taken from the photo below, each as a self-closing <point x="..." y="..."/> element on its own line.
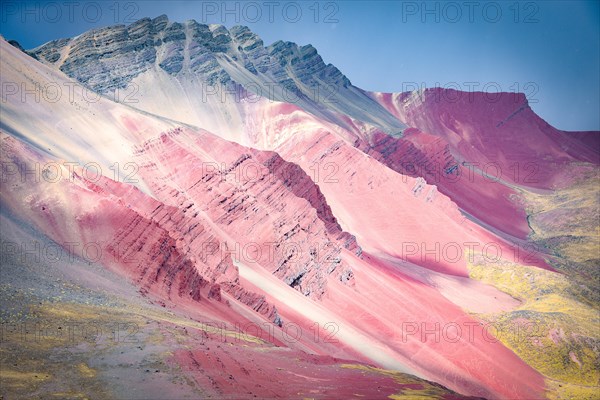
<point x="225" y="186"/>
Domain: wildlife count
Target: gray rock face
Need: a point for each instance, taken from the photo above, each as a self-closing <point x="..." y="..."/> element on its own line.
<point x="50" y="52"/>
<point x="108" y="59"/>
<point x="16" y="44"/>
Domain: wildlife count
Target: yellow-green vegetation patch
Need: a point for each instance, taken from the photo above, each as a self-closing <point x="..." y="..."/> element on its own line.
<point x="569" y="391"/>
<point x="69" y="396"/>
<point x="571" y="212"/>
<point x="551" y="331"/>
<point x="556" y="329"/>
<point x="37" y="358"/>
<point x="20" y="378"/>
<point x="210" y="329"/>
<point x="541" y="291"/>
<point x="566" y="224"/>
<point x="425" y="390"/>
<point x="37" y="344"/>
<point x="86" y="371"/>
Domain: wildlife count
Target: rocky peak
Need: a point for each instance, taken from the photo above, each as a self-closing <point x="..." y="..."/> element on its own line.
<point x="108" y="59"/>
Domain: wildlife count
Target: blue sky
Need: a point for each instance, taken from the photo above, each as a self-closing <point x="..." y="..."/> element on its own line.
<point x="549" y="50"/>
